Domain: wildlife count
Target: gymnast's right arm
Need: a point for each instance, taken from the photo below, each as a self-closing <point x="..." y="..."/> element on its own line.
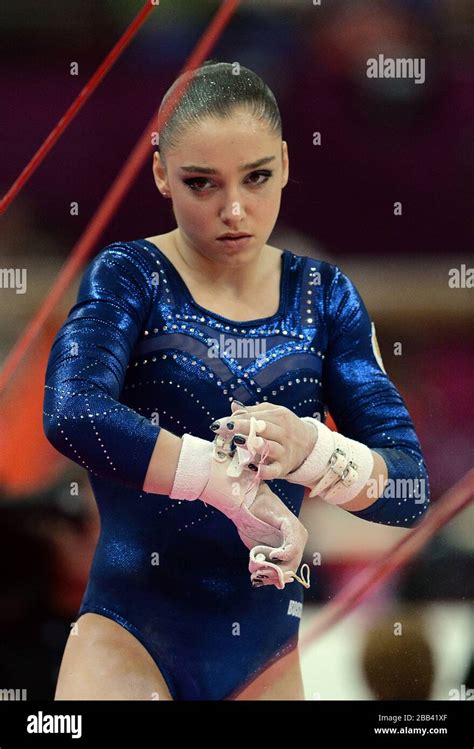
<point x="82" y="416"/>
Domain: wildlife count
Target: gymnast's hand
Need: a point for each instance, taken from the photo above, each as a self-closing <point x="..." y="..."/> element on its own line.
<point x="289" y="439"/>
<point x="224" y="475"/>
<point x="274" y="535"/>
<point x="275" y="563"/>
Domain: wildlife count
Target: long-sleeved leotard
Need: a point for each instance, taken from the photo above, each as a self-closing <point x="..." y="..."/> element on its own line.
<point x="137" y="354"/>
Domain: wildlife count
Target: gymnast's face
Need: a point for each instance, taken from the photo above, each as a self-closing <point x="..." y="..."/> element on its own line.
<point x="229" y="192"/>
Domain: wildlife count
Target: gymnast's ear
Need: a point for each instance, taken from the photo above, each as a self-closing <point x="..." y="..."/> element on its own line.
<point x="159" y="174"/>
<point x="285" y="163"/>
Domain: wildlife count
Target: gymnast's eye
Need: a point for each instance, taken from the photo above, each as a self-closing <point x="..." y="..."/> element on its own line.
<point x="266" y="173"/>
<point x="195" y="183"/>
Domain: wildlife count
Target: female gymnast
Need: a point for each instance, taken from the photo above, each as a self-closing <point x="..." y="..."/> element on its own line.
<point x="194" y="584"/>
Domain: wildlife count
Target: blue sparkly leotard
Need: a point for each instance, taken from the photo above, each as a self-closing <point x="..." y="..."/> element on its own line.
<point x="135" y="349"/>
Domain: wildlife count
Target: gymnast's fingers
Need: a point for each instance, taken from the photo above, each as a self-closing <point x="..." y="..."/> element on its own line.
<point x="272" y="471"/>
<point x="228" y="426"/>
<point x="274" y="450"/>
<point x="237" y="405"/>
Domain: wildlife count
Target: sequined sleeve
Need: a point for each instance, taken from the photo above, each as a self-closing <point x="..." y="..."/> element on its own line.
<point x="366" y="406"/>
<point x="82" y="415"/>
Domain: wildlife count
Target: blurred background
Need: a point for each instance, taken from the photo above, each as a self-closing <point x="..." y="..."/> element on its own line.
<point x="357" y="147"/>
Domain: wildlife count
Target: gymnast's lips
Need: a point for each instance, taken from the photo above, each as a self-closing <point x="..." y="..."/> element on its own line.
<point x="237" y="235"/>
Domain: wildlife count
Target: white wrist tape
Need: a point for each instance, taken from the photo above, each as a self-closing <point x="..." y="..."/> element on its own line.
<point x="196" y="477"/>
<point x="336" y="469"/>
<point x="194" y="467"/>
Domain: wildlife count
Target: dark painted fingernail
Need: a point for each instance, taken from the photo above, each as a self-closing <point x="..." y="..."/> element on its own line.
<point x="239" y="440"/>
<point x="277" y="560"/>
<point x="230" y="425"/>
<point x="252" y="467"/>
<point x="238" y="403"/>
<point x="214" y="426"/>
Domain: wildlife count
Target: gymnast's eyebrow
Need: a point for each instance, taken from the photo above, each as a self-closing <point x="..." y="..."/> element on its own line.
<point x="209" y="170"/>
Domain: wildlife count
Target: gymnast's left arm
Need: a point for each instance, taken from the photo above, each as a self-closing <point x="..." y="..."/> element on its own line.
<point x="378" y="471"/>
<point x="372" y="466"/>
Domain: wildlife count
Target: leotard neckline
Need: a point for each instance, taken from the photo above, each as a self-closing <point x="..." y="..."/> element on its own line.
<point x="282" y="307"/>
